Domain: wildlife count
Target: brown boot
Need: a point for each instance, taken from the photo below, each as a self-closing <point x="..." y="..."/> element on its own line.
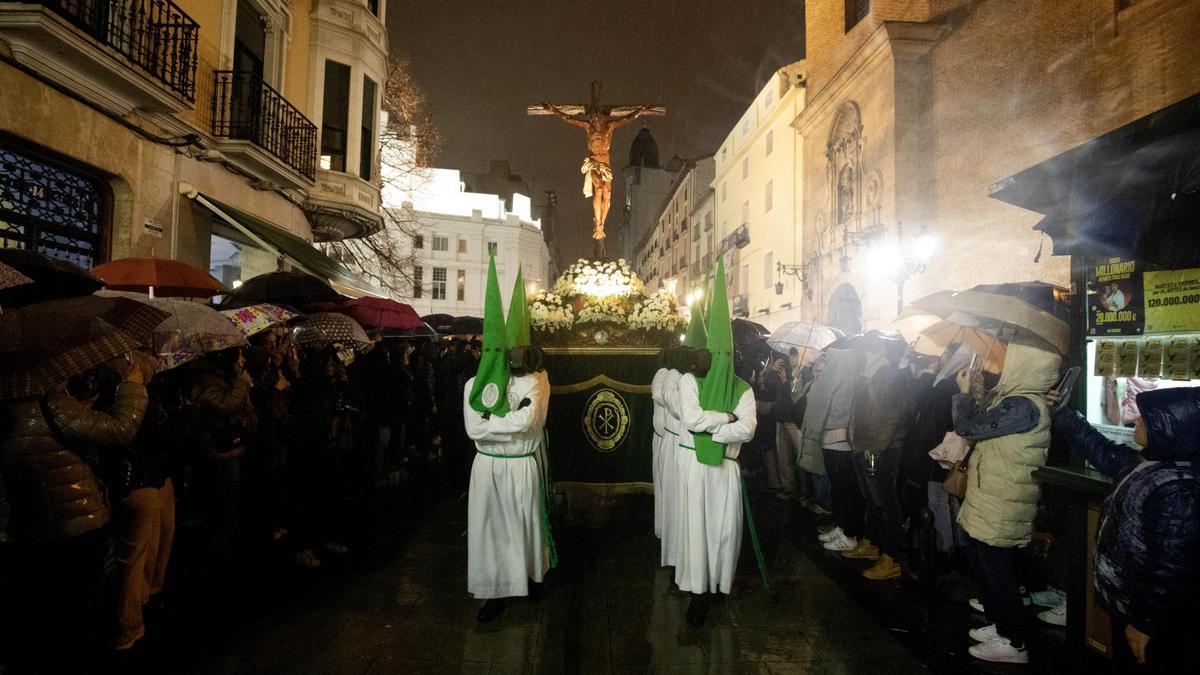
<point x="884" y="568"/>
<point x="864" y="551"/>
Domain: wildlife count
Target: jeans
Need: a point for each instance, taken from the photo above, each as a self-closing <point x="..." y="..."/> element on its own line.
<point x="844" y="493"/>
<point x="787" y="448"/>
<point x="145" y="530"/>
<point x="950" y="534"/>
<point x="882" y="501"/>
<point x="995" y="570"/>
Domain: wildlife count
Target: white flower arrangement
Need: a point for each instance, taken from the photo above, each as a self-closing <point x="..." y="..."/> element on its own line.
<point x="548" y="312"/>
<point x="599" y="280"/>
<point x="602" y="310"/>
<point x="657" y="312"/>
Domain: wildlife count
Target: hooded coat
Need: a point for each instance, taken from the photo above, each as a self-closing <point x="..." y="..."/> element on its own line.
<point x="1149" y="536"/>
<point x="1002" y="495"/>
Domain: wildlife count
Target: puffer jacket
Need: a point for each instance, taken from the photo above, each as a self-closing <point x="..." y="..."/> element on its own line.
<point x="1002" y="494"/>
<point x="53" y="490"/>
<point x="882" y="408"/>
<point x="223" y="404"/>
<point x="1148" y="544"/>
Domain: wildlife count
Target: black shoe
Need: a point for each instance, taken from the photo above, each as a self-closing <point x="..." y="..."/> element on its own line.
<point x="491" y="610"/>
<point x="697" y="610"/>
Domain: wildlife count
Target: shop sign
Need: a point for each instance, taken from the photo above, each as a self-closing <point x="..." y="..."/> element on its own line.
<point x="1114" y="298"/>
<point x="1172" y="301"/>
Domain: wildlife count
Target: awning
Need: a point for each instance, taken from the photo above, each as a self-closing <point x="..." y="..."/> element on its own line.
<point x="1106" y="196"/>
<point x="287" y="245"/>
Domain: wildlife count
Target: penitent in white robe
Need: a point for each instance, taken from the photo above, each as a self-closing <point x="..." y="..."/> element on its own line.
<point x="660" y="430"/>
<point x="668" y="473"/>
<point x="505" y="506"/>
<point x="710" y="497"/>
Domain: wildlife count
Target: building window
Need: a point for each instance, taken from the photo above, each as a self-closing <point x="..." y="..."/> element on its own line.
<point x="745" y="212"/>
<point x="768" y="268"/>
<point x="492" y="248"/>
<point x="462" y="285"/>
<point x="335" y="116"/>
<point x="856" y="10"/>
<point x="769" y="196"/>
<point x="366" y="142"/>
<point x="418" y="279"/>
<point x="373" y="5"/>
<point x="439" y="283"/>
<point x="51" y="209"/>
<point x="441" y="243"/>
<point x="744" y="280"/>
<point x="745" y="127"/>
<point x="418" y="241"/>
<point x="770" y="142"/>
<point x="745" y="168"/>
<point x="724" y="192"/>
<point x="462" y="245"/>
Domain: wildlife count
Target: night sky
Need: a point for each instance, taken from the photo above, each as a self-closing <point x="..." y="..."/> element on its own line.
<point x="481" y="62"/>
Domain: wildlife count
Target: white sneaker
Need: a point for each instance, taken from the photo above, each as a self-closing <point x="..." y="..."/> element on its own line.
<point x="999" y="650"/>
<point x="830" y="535"/>
<point x="985" y="634"/>
<point x="842" y="543"/>
<point x="1055" y="616"/>
<point x="976" y="604"/>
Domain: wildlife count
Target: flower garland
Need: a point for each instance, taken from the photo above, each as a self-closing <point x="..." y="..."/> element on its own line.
<point x="548" y="312"/>
<point x="602" y="310"/>
<point x="599" y="280"/>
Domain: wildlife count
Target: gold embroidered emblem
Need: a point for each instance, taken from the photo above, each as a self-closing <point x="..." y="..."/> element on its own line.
<point x="606" y="420"/>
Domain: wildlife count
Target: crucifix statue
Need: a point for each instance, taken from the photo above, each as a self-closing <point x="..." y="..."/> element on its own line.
<point x="599" y="121"/>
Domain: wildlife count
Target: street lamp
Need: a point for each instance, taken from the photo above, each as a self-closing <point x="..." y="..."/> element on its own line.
<point x="889" y="259"/>
<point x="800" y="271"/>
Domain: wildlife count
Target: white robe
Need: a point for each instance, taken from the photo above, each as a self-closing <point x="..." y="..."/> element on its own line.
<point x="668" y="471"/>
<point x="660" y="430"/>
<point x="505" y="544"/>
<point x="710" y="497"/>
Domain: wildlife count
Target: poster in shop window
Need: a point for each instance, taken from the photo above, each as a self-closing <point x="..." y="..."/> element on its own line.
<point x="1177" y="359"/>
<point x="1172" y="301"/>
<point x="1114" y="298"/>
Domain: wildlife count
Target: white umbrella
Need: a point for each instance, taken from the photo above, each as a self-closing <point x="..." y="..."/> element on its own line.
<point x="803" y="336"/>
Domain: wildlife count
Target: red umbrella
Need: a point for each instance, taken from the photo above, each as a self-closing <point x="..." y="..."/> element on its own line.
<point x="159" y="277"/>
<point x="381" y="313"/>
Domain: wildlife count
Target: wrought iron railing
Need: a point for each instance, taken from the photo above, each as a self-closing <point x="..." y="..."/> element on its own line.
<point x="154" y="35"/>
<point x="739" y="238"/>
<point x="246" y="108"/>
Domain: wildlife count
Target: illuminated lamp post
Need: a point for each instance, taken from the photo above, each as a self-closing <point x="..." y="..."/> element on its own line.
<point x="890" y="260"/>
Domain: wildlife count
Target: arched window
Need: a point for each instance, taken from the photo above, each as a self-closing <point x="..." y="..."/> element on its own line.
<point x="845" y="310"/>
<point x="47" y="206"/>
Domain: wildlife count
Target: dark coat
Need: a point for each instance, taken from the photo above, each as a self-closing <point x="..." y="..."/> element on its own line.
<point x="1149" y="539"/>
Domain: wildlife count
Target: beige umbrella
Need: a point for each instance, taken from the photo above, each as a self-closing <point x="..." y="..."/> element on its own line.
<point x="937" y="339"/>
<point x="991" y="308"/>
<point x="923" y="313"/>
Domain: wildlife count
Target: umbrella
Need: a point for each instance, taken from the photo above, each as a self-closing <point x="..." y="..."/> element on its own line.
<point x="803" y="336"/>
<point x="1044" y="296"/>
<point x="254" y="319"/>
<point x="381" y="313"/>
<point x="288" y="288"/>
<point x="11" y="278"/>
<point x="1013" y="312"/>
<point x="325" y="329"/>
<point x="159" y="277"/>
<point x="466" y="325"/>
<point x="424" y="330"/>
<point x="52" y="278"/>
<point x="923" y="313"/>
<point x="190" y="331"/>
<point x="62" y="338"/>
<point x="937" y="338"/>
<point x="746" y="328"/>
<point x="439" y="322"/>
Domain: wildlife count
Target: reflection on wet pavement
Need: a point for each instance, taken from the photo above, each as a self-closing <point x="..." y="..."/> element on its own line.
<point x="607" y="609"/>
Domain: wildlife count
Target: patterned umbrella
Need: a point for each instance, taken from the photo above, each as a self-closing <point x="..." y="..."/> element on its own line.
<point x="325" y="329"/>
<point x="62" y="338"/>
<point x="52" y="279"/>
<point x="381" y="313"/>
<point x="11" y="278"/>
<point x="158" y="277"/>
<point x="282" y="288"/>
<point x="254" y="319"/>
<point x="190" y="331"/>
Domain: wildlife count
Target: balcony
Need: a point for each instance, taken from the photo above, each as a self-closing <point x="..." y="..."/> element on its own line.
<point x="125" y="54"/>
<point x="257" y="127"/>
<point x="739" y="238"/>
<point x="342" y="206"/>
<point x="741" y="305"/>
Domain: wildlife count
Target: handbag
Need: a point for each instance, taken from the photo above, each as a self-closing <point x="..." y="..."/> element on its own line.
<point x="956" y="481"/>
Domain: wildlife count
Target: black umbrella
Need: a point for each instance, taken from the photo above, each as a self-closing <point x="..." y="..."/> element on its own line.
<point x="1044" y="296"/>
<point x="52" y="278"/>
<point x="440" y="322"/>
<point x="466" y="325"/>
<point x="287" y="288"/>
<point x="424" y="330"/>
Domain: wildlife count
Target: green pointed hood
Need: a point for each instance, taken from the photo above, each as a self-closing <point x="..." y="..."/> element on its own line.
<point x="517" y="324"/>
<point x="489" y="393"/>
<point x="697" y="334"/>
<point x="720" y="389"/>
